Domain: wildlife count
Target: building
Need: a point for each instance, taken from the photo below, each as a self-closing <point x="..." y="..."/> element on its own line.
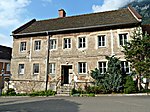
<point x="5" y="59"/>
<point x="49" y="54"/>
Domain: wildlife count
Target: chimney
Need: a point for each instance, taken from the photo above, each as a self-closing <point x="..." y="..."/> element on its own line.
<point x="62" y="13"/>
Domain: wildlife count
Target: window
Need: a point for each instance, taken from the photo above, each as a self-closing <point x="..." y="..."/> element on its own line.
<point x="37" y="45"/>
<point x="101" y="41"/>
<point x="82" y="67"/>
<point x="21" y="68"/>
<point x="7" y="67"/>
<point x="125" y="67"/>
<point x="23" y="46"/>
<point x="122" y="39"/>
<point x="53" y="44"/>
<point x="82" y="42"/>
<point x="67" y="43"/>
<point x="52" y="68"/>
<point x="102" y="67"/>
<point x="35" y="68"/>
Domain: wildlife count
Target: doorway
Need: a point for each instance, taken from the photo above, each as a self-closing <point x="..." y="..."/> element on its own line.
<point x="65" y="74"/>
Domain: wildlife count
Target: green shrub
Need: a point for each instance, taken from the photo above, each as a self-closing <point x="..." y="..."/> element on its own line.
<point x="43" y="93"/>
<point x="129" y="86"/>
<point x="10" y="92"/>
<point x="91" y="95"/>
<point x="94" y="89"/>
<point x="74" y="91"/>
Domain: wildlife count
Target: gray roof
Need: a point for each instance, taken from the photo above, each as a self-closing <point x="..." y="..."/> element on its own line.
<point x="101" y="19"/>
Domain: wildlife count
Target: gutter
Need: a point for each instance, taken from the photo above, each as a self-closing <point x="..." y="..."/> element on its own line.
<point x="67" y="29"/>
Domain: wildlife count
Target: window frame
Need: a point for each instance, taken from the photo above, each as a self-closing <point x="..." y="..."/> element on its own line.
<point x="21" y="68"/>
<point x="81" y="68"/>
<point x="53" y="46"/>
<point x="23" y="46"/>
<point x="83" y="44"/>
<point x="123" y="42"/>
<point x="103" y="68"/>
<point x="67" y="43"/>
<point x="52" y="68"/>
<point x="126" y="65"/>
<point x="37" y="45"/>
<point x="35" y="65"/>
<point x="100" y="40"/>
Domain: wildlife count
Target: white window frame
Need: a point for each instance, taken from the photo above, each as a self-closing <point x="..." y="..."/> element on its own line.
<point x="123" y="39"/>
<point x="37" y="45"/>
<point x="23" y="46"/>
<point x="100" y="40"/>
<point x="21" y="69"/>
<point x="8" y="67"/>
<point x="53" y="45"/>
<point x="82" y="69"/>
<point x="38" y="69"/>
<point x="103" y="67"/>
<point x="67" y="43"/>
<point x="52" y="68"/>
<point x="82" y="43"/>
<point x="126" y="65"/>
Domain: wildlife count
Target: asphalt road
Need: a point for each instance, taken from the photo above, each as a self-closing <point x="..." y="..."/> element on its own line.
<point x="76" y="104"/>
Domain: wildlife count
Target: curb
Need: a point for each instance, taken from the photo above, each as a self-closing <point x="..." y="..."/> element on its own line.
<point x="136" y="94"/>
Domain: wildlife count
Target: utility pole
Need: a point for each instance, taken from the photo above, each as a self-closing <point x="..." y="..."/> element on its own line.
<point x="47" y="64"/>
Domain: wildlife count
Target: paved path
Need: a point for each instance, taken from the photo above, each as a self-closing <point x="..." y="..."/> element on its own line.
<point x="76" y="104"/>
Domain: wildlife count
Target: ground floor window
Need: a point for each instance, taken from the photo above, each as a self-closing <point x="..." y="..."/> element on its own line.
<point x="102" y="67"/>
<point x="36" y="68"/>
<point x="82" y="67"/>
<point x="52" y="68"/>
<point x="125" y="67"/>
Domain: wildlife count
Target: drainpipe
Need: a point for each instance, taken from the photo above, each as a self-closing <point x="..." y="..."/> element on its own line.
<point x="47" y="64"/>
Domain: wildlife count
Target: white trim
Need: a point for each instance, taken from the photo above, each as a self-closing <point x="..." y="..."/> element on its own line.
<point x="97" y="42"/>
<point x="86" y="43"/>
<point x="63" y="46"/>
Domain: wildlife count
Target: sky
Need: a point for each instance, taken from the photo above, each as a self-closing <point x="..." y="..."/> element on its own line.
<point x="14" y="13"/>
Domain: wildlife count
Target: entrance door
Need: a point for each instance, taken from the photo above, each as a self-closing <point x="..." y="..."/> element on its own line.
<point x="65" y="74"/>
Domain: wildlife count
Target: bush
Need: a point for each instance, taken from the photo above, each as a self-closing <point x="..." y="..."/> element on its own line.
<point x="10" y="92"/>
<point x="129" y="86"/>
<point x="43" y="93"/>
<point x="94" y="89"/>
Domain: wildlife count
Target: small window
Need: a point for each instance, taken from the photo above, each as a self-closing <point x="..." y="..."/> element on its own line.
<point x="82" y="42"/>
<point x="21" y="68"/>
<point x="53" y="44"/>
<point x="123" y="39"/>
<point x="23" y="46"/>
<point x="82" y="67"/>
<point x="37" y="45"/>
<point x="67" y="43"/>
<point x="36" y="68"/>
<point x="101" y="41"/>
<point x="102" y="67"/>
<point x="7" y="67"/>
<point x="125" y="67"/>
<point x="52" y="68"/>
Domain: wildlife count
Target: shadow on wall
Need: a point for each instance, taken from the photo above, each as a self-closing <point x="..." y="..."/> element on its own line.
<point x="46" y="105"/>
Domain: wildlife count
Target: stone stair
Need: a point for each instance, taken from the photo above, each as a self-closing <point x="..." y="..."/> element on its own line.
<point x="64" y="90"/>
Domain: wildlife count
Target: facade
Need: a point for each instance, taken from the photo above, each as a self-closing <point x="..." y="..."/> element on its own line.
<point x="48" y="54"/>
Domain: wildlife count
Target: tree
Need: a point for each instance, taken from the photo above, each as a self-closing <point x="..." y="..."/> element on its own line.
<point x="112" y="80"/>
<point x="137" y="52"/>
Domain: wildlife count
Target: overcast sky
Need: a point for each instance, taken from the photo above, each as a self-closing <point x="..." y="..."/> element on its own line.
<point x="14" y="13"/>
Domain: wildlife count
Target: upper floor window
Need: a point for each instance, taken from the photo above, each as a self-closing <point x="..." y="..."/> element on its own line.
<point x="67" y="43"/>
<point x="125" y="66"/>
<point x="52" y="68"/>
<point x="21" y="68"/>
<point x="23" y="46"/>
<point x="101" y="41"/>
<point x="36" y="68"/>
<point x="102" y="67"/>
<point x="53" y="44"/>
<point x="82" y="42"/>
<point x="37" y="45"/>
<point x="82" y="67"/>
<point x="123" y="39"/>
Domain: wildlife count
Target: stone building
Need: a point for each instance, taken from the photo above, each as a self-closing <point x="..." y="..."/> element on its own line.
<point x="49" y="54"/>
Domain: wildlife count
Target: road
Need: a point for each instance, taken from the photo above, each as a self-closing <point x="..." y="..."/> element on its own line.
<point x="76" y="104"/>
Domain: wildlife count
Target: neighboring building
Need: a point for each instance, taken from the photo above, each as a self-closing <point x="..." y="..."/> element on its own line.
<point x="146" y="28"/>
<point x="65" y="49"/>
<point x="5" y="59"/>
